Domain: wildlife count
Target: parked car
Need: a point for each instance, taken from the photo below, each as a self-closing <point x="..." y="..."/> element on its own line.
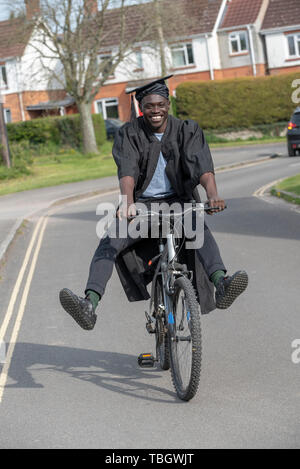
<point x="293" y="133"/>
<point x="112" y="126"/>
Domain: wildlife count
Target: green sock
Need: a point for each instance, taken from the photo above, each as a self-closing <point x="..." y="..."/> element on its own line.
<point x="216" y="276"/>
<point x="94" y="297"/>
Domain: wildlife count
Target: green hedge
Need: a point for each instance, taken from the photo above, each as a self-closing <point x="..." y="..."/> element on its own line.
<point x="63" y="130"/>
<point x="242" y="102"/>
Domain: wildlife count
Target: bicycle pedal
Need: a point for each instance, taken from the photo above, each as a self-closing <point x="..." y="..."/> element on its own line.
<point x="146" y="360"/>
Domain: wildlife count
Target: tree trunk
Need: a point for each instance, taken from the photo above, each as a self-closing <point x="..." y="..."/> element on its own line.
<point x="161" y="45"/>
<point x="87" y="128"/>
<point x="161" y="39"/>
<point x="4" y="147"/>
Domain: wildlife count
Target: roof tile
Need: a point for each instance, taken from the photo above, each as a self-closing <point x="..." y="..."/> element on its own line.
<point x="282" y="13"/>
<point x="180" y="18"/>
<point x="14" y="36"/>
<point x="241" y="12"/>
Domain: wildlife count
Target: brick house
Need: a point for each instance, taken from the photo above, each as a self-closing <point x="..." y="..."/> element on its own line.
<point x="226" y="39"/>
<point x="281" y="32"/>
<point x="191" y="52"/>
<point x="241" y="46"/>
<point x="23" y="88"/>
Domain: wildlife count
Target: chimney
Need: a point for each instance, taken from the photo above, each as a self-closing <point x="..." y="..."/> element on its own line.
<point x="91" y="7"/>
<point x="32" y="9"/>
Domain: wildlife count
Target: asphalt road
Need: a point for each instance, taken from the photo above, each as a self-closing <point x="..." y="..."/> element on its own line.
<point x="62" y="387"/>
<point x="232" y="155"/>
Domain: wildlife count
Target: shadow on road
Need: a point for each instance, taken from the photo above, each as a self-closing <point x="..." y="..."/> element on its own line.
<point x="253" y="217"/>
<point x="116" y="372"/>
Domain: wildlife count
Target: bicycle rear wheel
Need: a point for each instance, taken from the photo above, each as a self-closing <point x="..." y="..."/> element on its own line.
<point x="185" y="341"/>
<point x="161" y="334"/>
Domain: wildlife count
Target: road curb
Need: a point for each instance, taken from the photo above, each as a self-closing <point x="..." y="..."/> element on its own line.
<point x="84" y="195"/>
<point x="246" y="163"/>
<point x="9" y="238"/>
<point x="280" y="192"/>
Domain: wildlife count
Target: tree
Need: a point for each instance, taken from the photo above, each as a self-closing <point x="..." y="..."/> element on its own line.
<point x="4" y="145"/>
<point x="80" y="43"/>
<point x="168" y="27"/>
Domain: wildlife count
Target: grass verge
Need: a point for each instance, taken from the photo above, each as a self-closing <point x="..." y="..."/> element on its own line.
<point x="288" y="189"/>
<point x="254" y="141"/>
<point x="54" y="169"/>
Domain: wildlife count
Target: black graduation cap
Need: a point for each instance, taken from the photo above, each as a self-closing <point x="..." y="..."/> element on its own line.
<point x="154" y="87"/>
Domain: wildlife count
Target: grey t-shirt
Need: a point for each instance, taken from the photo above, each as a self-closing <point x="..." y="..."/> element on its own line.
<point x="159" y="185"/>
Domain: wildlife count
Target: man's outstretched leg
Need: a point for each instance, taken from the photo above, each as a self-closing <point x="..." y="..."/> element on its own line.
<point x="82" y="310"/>
<point x="228" y="287"/>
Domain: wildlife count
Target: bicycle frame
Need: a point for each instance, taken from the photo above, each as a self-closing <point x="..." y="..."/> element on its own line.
<point x="166" y="268"/>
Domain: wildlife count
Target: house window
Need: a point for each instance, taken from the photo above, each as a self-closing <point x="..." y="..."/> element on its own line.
<point x="3" y="77"/>
<point x="108" y="108"/>
<point x="294" y="45"/>
<point x="238" y="42"/>
<point x="182" y="55"/>
<point x="139" y="59"/>
<point x="7" y="116"/>
<point x="107" y="65"/>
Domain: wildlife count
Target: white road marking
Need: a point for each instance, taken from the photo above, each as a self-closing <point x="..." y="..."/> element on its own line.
<point x="15" y="332"/>
<point x="17" y="286"/>
<point x="39" y="231"/>
<point x="262" y="190"/>
<point x="260" y="194"/>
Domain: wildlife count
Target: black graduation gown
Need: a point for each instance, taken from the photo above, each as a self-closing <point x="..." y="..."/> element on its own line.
<point x="136" y="151"/>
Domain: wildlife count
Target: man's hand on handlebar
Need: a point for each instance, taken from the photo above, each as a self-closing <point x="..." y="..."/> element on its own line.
<point x="126" y="211"/>
<point x="217" y="204"/>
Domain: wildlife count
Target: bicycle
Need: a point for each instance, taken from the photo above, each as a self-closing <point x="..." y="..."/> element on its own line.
<point x="174" y="315"/>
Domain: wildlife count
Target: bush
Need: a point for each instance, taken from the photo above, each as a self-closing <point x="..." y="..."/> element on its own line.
<point x="100" y="129"/>
<point x="21" y="154"/>
<point x="35" y="131"/>
<point x="63" y="130"/>
<point x="238" y="103"/>
<point x="13" y="173"/>
<point x="21" y="160"/>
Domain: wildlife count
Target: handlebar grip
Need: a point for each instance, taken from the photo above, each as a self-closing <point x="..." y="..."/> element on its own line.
<point x="212" y="209"/>
<point x="132" y="217"/>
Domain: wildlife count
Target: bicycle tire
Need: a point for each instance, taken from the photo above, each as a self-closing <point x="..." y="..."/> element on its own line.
<point x="185" y="343"/>
<point x="161" y="334"/>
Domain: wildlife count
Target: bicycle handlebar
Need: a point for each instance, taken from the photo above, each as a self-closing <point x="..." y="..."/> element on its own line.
<point x="206" y="208"/>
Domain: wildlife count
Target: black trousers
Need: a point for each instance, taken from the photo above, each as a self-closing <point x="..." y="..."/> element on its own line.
<point x="101" y="267"/>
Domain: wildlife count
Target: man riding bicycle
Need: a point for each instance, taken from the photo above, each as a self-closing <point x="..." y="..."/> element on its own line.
<point x="160" y="159"/>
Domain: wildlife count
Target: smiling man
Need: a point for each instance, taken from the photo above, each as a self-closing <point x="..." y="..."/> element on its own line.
<point x="159" y="159"/>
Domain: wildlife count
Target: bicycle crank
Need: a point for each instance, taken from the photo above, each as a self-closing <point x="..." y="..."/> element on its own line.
<point x="150" y="327"/>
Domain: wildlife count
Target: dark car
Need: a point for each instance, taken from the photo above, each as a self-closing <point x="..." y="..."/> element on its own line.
<point x="293" y="133"/>
<point x="112" y="126"/>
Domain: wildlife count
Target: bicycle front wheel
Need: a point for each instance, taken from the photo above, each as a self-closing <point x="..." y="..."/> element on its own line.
<point x="185" y="340"/>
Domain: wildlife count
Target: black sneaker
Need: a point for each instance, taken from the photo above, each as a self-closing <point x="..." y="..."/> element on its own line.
<point x="81" y="309"/>
<point x="229" y="288"/>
